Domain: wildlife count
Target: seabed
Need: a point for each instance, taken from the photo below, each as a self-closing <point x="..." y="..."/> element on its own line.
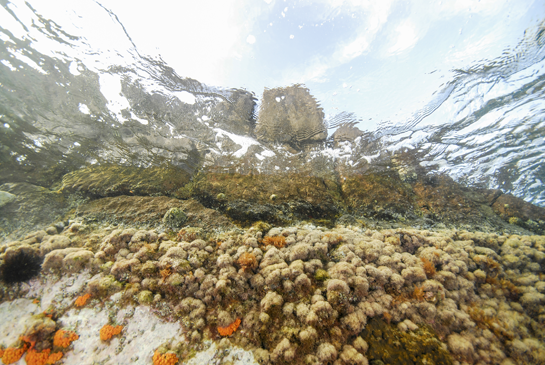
<point x="300" y="294"/>
<point x="345" y="274"/>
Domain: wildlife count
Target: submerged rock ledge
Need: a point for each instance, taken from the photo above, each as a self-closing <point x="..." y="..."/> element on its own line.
<point x="375" y="200"/>
<point x="273" y="295"/>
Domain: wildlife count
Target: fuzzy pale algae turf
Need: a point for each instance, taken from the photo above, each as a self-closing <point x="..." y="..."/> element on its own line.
<point x="301" y="294"/>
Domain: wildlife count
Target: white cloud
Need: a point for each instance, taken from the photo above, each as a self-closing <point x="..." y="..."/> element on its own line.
<point x="250" y="39"/>
<point x="406" y="38"/>
<point x="353" y="49"/>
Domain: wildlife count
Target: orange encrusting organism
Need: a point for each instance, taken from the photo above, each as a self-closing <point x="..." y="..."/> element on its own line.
<point x="42" y="358"/>
<point x="230" y="329"/>
<point x="12" y="355"/>
<point x="63" y="338"/>
<point x="108" y="331"/>
<point x="418" y="293"/>
<point x="429" y="267"/>
<point x="247" y="261"/>
<point x="164" y="359"/>
<point x="166" y="272"/>
<point x="54" y="357"/>
<point x="81" y="300"/>
<point x="277" y="241"/>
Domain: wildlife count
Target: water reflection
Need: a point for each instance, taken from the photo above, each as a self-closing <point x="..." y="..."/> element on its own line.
<point x="66" y="105"/>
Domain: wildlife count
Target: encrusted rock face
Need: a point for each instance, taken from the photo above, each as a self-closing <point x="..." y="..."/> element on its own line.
<point x="268" y="197"/>
<point x="111" y="180"/>
<point x="290" y="115"/>
<point x="519" y="212"/>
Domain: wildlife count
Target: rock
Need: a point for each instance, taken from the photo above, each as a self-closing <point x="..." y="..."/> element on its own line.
<point x="290" y="115"/>
<point x="112" y="180"/>
<point x="519" y="212"/>
<point x="174" y="218"/>
<point x="149" y="211"/>
<point x="6" y="198"/>
<point x="346" y="132"/>
<point x="31" y="207"/>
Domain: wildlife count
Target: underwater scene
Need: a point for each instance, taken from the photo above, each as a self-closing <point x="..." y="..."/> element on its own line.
<point x="272" y="182"/>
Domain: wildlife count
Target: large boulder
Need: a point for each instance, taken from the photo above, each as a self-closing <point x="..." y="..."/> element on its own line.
<point x="290" y="115"/>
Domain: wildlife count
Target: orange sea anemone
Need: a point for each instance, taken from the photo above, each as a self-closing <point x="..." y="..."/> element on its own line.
<point x="12" y="355"/>
<point x="81" y="300"/>
<point x="164" y="359"/>
<point x="63" y="338"/>
<point x="108" y="331"/>
<point x="230" y="329"/>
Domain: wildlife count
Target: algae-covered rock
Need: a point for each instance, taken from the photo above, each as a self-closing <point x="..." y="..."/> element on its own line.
<point x="174" y="218"/>
<point x="32" y="207"/>
<point x="111" y="180"/>
<point x="105" y="285"/>
<point x="517" y="211"/>
<point x="247" y="198"/>
<point x="6" y="198"/>
<point x="394" y="347"/>
<point x="150" y="211"/>
<point x="38" y="328"/>
<point x="379" y="195"/>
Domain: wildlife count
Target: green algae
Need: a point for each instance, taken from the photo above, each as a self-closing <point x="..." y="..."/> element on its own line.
<point x="389" y="345"/>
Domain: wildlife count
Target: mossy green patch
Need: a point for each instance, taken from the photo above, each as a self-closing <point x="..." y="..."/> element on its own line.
<point x="321" y="275"/>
